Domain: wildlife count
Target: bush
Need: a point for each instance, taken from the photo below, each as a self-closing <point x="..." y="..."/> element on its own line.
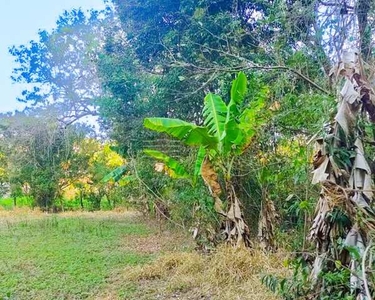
<point x="8" y="203"/>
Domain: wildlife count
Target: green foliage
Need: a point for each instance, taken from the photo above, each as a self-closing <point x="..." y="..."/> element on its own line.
<point x="294" y="288"/>
<point x="335" y="284"/>
<point x="215" y="114"/>
<point x="22" y="201"/>
<point x="4" y="180"/>
<point x="38" y="151"/>
<point x="175" y="169"/>
<point x="188" y="133"/>
<point x="116" y="174"/>
<point x="198" y="164"/>
<point x="60" y="65"/>
<point x="238" y="92"/>
<point x="222" y="123"/>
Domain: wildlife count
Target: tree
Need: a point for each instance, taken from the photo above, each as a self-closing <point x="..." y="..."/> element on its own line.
<point x="59" y="70"/>
<point x="37" y="150"/>
<point x="126" y="98"/>
<point x="166" y="56"/>
<point x="4" y="181"/>
<point x="226" y="134"/>
<point x="100" y="165"/>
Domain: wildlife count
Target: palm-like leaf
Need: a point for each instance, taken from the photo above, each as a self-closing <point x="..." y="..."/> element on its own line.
<point x="198" y="164"/>
<point x="234" y="135"/>
<point x="237" y="93"/>
<point x="176" y="170"/>
<point x="116" y="174"/>
<point x="188" y="133"/>
<point x="215" y="114"/>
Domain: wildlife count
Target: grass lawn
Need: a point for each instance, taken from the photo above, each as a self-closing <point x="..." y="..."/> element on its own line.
<point x="66" y="257"/>
<point x="109" y="255"/>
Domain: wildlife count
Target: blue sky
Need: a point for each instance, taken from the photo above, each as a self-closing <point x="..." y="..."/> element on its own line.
<point x="20" y="21"/>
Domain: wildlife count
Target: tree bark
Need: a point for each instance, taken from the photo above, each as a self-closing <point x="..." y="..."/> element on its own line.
<point x="81" y="199"/>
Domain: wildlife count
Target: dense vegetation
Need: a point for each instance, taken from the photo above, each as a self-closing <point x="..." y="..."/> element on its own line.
<point x="249" y="123"/>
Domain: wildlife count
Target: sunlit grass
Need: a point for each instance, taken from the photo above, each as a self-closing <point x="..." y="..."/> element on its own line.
<point x="8" y="203"/>
<point x="118" y="255"/>
<point x="64" y="257"/>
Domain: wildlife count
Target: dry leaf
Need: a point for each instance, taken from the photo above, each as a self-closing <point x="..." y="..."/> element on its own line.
<point x="349" y="93"/>
<point x="317" y="267"/>
<point x="359" y="200"/>
<point x="345" y="117"/>
<point x="210" y="178"/>
<point x="230" y="213"/>
<point x="275" y="106"/>
<point x="237" y="209"/>
<point x="159" y="167"/>
<point x="320" y="173"/>
<point x="218" y="205"/>
<point x="361" y="174"/>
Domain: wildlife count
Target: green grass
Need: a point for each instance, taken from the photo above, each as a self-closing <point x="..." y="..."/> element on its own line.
<point x="65" y="257"/>
<point x="69" y="205"/>
<point x="7" y="203"/>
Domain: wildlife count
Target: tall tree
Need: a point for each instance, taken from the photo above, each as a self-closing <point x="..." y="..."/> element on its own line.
<point x="59" y="70"/>
<point x="37" y="150"/>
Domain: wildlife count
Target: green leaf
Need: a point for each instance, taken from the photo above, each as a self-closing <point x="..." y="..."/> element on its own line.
<point x="215" y="114"/>
<point x="198" y="164"/>
<point x="116" y="174"/>
<point x="238" y="92"/>
<point x="251" y="119"/>
<point x="338" y="264"/>
<point x="234" y="134"/>
<point x="178" y="170"/>
<point x="354" y="252"/>
<point x="188" y="133"/>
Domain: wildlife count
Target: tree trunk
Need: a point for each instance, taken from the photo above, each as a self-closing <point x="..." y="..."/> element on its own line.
<point x="62" y="204"/>
<point x="108" y="199"/>
<point x="81" y="199"/>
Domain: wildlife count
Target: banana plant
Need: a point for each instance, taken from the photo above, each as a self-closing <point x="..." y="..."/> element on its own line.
<point x="225" y="134"/>
<point x="121" y="175"/>
<point x="116" y="174"/>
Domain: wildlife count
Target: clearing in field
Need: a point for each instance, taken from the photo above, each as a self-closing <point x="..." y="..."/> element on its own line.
<point x="112" y="255"/>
